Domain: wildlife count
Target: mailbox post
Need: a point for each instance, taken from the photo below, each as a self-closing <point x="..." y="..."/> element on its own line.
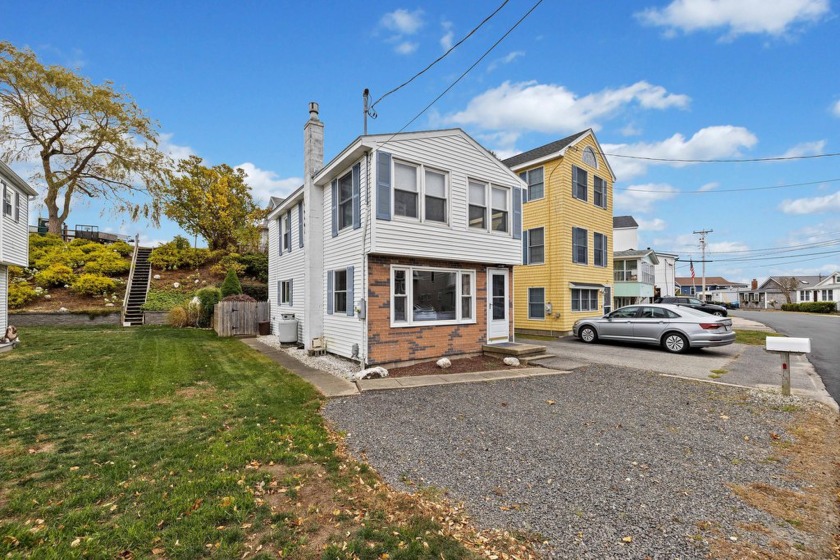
<point x="785" y="347"/>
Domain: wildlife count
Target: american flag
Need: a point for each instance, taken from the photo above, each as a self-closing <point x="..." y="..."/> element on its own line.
<point x="691" y="267"/>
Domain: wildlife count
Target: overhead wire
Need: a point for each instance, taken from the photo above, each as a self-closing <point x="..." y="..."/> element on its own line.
<point x="744" y="189"/>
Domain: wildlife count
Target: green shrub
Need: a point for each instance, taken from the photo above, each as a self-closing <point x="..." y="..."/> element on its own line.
<point x="239" y="297"/>
<point x="62" y="254"/>
<point x="20" y="293"/>
<point x="55" y="275"/>
<point x="208" y="297"/>
<point x="818" y="306"/>
<point x="257" y="291"/>
<point x="122" y="248"/>
<point x="36" y="240"/>
<point x="15" y="272"/>
<point x="172" y="256"/>
<point x="85" y="245"/>
<point x="164" y="300"/>
<point x="178" y="316"/>
<point x="226" y="263"/>
<point x="93" y="285"/>
<point x="180" y="242"/>
<point x="231" y="285"/>
<point x="790" y="307"/>
<point x="256" y="265"/>
<point x="104" y="260"/>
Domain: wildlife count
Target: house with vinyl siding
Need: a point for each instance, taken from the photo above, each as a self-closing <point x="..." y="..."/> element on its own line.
<point x="14" y="232"/>
<point x="400" y="249"/>
<point x="567" y="212"/>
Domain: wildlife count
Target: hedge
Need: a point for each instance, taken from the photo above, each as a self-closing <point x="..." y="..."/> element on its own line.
<point x="811" y="306"/>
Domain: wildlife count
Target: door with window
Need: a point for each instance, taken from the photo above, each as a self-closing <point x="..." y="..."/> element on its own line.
<point x="498" y="308"/>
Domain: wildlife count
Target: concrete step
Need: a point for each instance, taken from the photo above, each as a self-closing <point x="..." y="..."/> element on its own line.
<point x="534" y="359"/>
<point x="515" y="349"/>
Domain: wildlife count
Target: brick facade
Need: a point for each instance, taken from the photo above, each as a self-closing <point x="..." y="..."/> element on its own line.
<point x="397" y="345"/>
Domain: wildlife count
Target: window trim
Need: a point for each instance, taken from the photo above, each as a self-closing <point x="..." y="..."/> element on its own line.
<point x="339" y="310"/>
<point x="526" y="176"/>
<point x="488" y="207"/>
<point x="7" y="200"/>
<point x="286" y="232"/>
<point x="530" y="246"/>
<point x="420" y="171"/>
<point x="588" y="299"/>
<point x="595" y="192"/>
<point x="285" y="292"/>
<point x="409" y="296"/>
<point x="531" y="302"/>
<point x="604" y="251"/>
<point x="576" y="184"/>
<point x="585" y="246"/>
<point x="342" y="202"/>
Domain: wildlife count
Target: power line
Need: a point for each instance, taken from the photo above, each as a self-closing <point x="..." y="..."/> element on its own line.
<point x="746" y="160"/>
<point x="712" y="191"/>
<point x="814" y="245"/>
<point x="441" y="57"/>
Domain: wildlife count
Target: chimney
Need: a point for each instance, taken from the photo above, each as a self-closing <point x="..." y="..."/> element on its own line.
<point x="313" y="219"/>
<point x="754" y="284"/>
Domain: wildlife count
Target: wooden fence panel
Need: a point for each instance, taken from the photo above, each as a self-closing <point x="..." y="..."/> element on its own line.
<point x="239" y="318"/>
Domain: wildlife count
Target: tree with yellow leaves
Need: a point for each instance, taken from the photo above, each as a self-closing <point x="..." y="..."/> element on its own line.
<point x="215" y="203"/>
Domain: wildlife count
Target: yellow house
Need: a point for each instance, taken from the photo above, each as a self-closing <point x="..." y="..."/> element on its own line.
<point x="567" y="222"/>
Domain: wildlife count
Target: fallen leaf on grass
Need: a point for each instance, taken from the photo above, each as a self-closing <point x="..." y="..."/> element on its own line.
<point x="627" y="539"/>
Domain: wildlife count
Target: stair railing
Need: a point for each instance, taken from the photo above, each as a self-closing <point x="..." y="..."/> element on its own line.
<point x="130" y="277"/>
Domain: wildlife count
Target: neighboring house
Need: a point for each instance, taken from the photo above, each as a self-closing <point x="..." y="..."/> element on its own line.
<point x="566" y="271"/>
<point x="625" y="232"/>
<point x="14" y="232"/>
<point x="634" y="276"/>
<point x="689" y="286"/>
<point x="399" y="249"/>
<point x="273" y="203"/>
<point x="825" y="289"/>
<point x="775" y="291"/>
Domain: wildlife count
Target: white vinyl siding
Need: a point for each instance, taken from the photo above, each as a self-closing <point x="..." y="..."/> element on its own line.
<point x="4" y="299"/>
<point x="455" y="240"/>
<point x="288" y="267"/>
<point x="14" y="229"/>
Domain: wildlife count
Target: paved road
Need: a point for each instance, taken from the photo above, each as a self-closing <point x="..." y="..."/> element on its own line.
<point x="824" y="332"/>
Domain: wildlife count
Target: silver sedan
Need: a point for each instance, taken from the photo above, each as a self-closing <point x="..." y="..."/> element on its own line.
<point x="675" y="328"/>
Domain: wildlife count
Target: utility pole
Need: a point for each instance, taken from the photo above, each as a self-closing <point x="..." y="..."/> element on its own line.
<point x="702" y="233"/>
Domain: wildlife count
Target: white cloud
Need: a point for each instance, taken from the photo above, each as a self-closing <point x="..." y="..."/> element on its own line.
<point x="501" y="143"/>
<point x="709" y="187"/>
<point x="815" y="205"/>
<point x="175" y="151"/>
<point x="735" y="17"/>
<point x="265" y="184"/>
<point x="403" y="22"/>
<point x="446" y="40"/>
<point x="806" y="149"/>
<point x="641" y="198"/>
<point x="406" y="47"/>
<point x="726" y="247"/>
<point x="714" y="142"/>
<point x="656" y="224"/>
<point x="551" y="108"/>
<point x="836" y="109"/>
<point x="507" y="59"/>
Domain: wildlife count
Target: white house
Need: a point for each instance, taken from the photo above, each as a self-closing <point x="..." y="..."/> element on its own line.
<point x="626" y="238"/>
<point x="14" y="232"/>
<point x="399" y="249"/>
<point x="823" y="289"/>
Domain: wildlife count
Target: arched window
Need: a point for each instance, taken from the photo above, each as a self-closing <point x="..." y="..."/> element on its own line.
<point x="589" y="157"/>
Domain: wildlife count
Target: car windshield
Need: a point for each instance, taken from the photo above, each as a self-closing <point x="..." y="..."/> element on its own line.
<point x="695" y="301"/>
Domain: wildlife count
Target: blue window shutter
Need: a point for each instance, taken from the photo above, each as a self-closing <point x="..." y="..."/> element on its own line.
<point x="291" y="291"/>
<point x="280" y="234"/>
<point x="300" y="224"/>
<point x="524" y="247"/>
<point x="279" y="292"/>
<point x="350" y="291"/>
<point x="383" y="185"/>
<point x="517" y="215"/>
<point x="330" y="292"/>
<point x="335" y="208"/>
<point x="289" y="217"/>
<point x="357" y="196"/>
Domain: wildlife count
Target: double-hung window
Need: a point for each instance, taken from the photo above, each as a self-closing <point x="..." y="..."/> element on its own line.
<point x="599" y="192"/>
<point x="535" y="181"/>
<point x="285" y="292"/>
<point x="478" y="205"/>
<point x="435" y="200"/>
<point x="345" y="201"/>
<point x="405" y="190"/>
<point x="340" y="289"/>
<point x="287" y="232"/>
<point x="421" y="295"/>
<point x="500" y="214"/>
<point x="600" y="249"/>
<point x="584" y="299"/>
<point x="420" y="193"/>
<point x="536" y="246"/>
<point x="579" y="182"/>
<point x="536" y="303"/>
<point x="7" y="201"/>
<point x="580" y="246"/>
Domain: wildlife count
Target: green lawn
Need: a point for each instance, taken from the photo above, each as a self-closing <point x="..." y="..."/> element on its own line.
<point x="158" y="442"/>
<point x="755" y="338"/>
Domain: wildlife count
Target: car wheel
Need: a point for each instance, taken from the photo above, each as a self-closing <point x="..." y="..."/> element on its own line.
<point x="675" y="342"/>
<point x="588" y="334"/>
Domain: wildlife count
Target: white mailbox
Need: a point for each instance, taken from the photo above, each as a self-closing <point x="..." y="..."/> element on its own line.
<point x="792" y="345"/>
<point x="785" y="347"/>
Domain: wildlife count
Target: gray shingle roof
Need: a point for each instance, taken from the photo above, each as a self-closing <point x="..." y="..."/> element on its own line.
<point x="542" y="151"/>
<point x="624" y="222"/>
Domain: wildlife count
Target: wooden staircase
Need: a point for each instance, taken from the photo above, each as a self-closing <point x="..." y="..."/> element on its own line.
<point x="138" y="287"/>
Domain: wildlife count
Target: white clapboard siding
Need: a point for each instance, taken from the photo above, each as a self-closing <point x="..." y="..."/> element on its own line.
<point x="14" y="239"/>
<point x="4" y="293"/>
<point x="288" y="266"/>
<point x="450" y="152"/>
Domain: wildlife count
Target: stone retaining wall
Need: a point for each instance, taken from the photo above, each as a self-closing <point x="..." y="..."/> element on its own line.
<point x="62" y="319"/>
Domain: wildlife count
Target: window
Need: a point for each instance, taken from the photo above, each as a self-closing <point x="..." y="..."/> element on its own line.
<point x="435" y="197"/>
<point x="17" y="206"/>
<point x="478" y="205"/>
<point x="339" y="290"/>
<point x="624" y="313"/>
<point x="285" y="292"/>
<point x="536" y="246"/>
<point x="500" y="209"/>
<point x="405" y="190"/>
<point x="7" y="201"/>
<point x="588" y="157"/>
<point x="607" y="300"/>
<point x="287" y="232"/>
<point x="580" y="248"/>
<point x="433" y="295"/>
<point x="536" y="303"/>
<point x="536" y="185"/>
<point x="579" y="182"/>
<point x="600" y="249"/>
<point x="599" y="192"/>
<point x="584" y="299"/>
<point x="345" y="201"/>
<point x="626" y="271"/>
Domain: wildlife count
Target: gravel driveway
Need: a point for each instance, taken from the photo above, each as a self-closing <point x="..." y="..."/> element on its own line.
<point x="584" y="459"/>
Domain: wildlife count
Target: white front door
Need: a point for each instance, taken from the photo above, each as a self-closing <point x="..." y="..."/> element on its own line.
<point x="498" y="308"/>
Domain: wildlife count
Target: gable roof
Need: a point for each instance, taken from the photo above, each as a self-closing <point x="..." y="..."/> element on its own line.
<point x="710" y="281"/>
<point x="621" y="222"/>
<point x="804" y="282"/>
<point x="555" y="150"/>
<point x="7" y="173"/>
<point x="634" y="253"/>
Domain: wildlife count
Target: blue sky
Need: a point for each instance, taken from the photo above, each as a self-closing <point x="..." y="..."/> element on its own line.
<point x="679" y="80"/>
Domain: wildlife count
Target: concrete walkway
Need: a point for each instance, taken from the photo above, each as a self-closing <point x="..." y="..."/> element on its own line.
<point x="451" y="378"/>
